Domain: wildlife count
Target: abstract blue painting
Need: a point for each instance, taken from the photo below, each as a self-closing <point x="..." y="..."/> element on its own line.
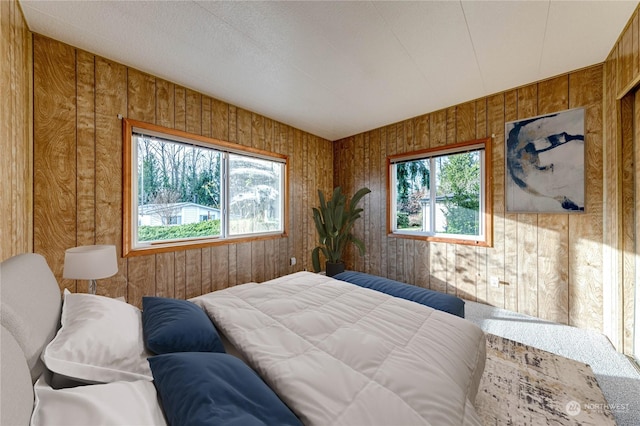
<point x="545" y="167"/>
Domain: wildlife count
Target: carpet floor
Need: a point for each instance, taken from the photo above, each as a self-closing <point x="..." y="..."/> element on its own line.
<point x="616" y="376"/>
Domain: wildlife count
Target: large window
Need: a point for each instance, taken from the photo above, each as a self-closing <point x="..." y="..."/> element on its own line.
<point x="442" y="194"/>
<point x="183" y="190"/>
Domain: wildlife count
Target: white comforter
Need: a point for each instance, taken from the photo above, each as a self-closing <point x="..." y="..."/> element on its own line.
<point x="337" y="353"/>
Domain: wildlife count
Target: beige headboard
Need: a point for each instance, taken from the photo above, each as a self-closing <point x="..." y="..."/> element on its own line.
<point x="30" y="305"/>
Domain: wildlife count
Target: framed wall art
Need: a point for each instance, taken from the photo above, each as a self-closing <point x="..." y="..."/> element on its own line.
<point x="545" y="163"/>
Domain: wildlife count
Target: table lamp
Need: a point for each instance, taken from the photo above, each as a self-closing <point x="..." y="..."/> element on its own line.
<point x="90" y="263"/>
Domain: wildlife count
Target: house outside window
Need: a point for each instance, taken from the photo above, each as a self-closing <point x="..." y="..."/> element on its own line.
<point x="185" y="190"/>
<point x="442" y="194"/>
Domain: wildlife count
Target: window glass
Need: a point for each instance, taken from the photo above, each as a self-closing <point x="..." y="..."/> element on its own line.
<point x="178" y="190"/>
<point x="412" y="179"/>
<point x="458" y="194"/>
<point x="184" y="190"/>
<point x="441" y="194"/>
<point x="255" y="195"/>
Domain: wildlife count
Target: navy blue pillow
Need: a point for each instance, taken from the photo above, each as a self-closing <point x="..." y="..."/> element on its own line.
<point x="434" y="299"/>
<point x="173" y="325"/>
<point x="198" y="388"/>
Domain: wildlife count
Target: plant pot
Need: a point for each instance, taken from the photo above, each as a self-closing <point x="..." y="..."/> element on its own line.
<point x="334" y="268"/>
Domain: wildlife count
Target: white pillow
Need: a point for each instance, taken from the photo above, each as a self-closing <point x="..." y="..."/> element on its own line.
<point x="100" y="341"/>
<point x="118" y="403"/>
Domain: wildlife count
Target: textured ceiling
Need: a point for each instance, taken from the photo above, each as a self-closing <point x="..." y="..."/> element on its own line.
<point x="340" y="68"/>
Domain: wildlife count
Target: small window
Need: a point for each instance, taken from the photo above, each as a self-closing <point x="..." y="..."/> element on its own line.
<point x="183" y="190"/>
<point x="442" y="194"/>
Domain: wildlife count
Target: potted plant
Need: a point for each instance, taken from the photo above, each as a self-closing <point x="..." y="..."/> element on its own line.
<point x="334" y="220"/>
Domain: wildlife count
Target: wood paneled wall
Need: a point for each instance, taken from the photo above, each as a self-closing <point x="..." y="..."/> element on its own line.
<point x="572" y="269"/>
<point x="549" y="266"/>
<point x="16" y="155"/>
<point x="78" y="173"/>
<point x="621" y="185"/>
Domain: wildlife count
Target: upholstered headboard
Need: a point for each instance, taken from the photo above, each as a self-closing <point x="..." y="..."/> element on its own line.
<point x="30" y="305"/>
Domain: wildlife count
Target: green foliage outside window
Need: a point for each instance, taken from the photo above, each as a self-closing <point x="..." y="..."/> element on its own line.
<point x="460" y="178"/>
<point x="169" y="232"/>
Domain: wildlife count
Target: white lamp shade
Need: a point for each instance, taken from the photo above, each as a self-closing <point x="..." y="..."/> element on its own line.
<point x="90" y="262"/>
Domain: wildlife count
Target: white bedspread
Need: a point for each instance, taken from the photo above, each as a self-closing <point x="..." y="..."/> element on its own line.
<point x="337" y="353"/>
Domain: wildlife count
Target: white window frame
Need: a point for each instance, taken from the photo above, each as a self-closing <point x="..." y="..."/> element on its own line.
<point x="485" y="237"/>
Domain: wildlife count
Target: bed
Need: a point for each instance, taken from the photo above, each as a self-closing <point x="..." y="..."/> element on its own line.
<point x="325" y="352"/>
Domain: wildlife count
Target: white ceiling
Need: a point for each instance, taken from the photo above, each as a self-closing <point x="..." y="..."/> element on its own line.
<point x="337" y="68"/>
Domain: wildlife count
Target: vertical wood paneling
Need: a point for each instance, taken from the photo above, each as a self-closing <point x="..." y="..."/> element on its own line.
<point x="180" y="108"/>
<point x="612" y="282"/>
<point x="620" y="174"/>
<point x="141" y="100"/>
<point x="541" y="261"/>
<point x="359" y="182"/>
<point x="481" y="252"/>
<point x="438" y="251"/>
<point x="466" y="268"/>
<point x="257" y="131"/>
<point x="392" y="243"/>
<point x="527" y="224"/>
<point x="165" y="103"/>
<point x="79" y="145"/>
<point x="55" y="153"/>
<point x="631" y="322"/>
<point x="520" y="243"/>
<point x="193" y="272"/>
<point x="180" y="275"/>
<point x="625" y="59"/>
<point x="376" y="200"/>
<point x="511" y="290"/>
<point x="304" y="200"/>
<point x="496" y="254"/>
<point x="9" y="164"/>
<point x="206" y="116"/>
<point x="451" y="124"/>
<point x="219" y="120"/>
<point x="553" y="230"/>
<point x="86" y="152"/>
<point x="165" y="116"/>
<point x="271" y="256"/>
<point x="257" y="261"/>
<point x="465" y="122"/>
<point x="629" y="226"/>
<point x="382" y="213"/>
<point x="165" y="275"/>
<point x="586" y="230"/>
<point x="243" y="126"/>
<point x="636" y="45"/>
<point x="288" y="142"/>
<point x="111" y="100"/>
<point x="219" y="267"/>
<point x="365" y="203"/>
<point x="16" y="121"/>
<point x="207" y="279"/>
<point x="298" y="188"/>
<point x="141" y="105"/>
<point x="243" y="262"/>
<point x="194" y="112"/>
<point x="270" y="136"/>
<point x="233" y="267"/>
<point x="141" y="278"/>
<point x="401" y="259"/>
<point x="232" y="128"/>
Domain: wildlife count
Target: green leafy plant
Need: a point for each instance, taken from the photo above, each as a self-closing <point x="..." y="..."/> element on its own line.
<point x="334" y="221"/>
